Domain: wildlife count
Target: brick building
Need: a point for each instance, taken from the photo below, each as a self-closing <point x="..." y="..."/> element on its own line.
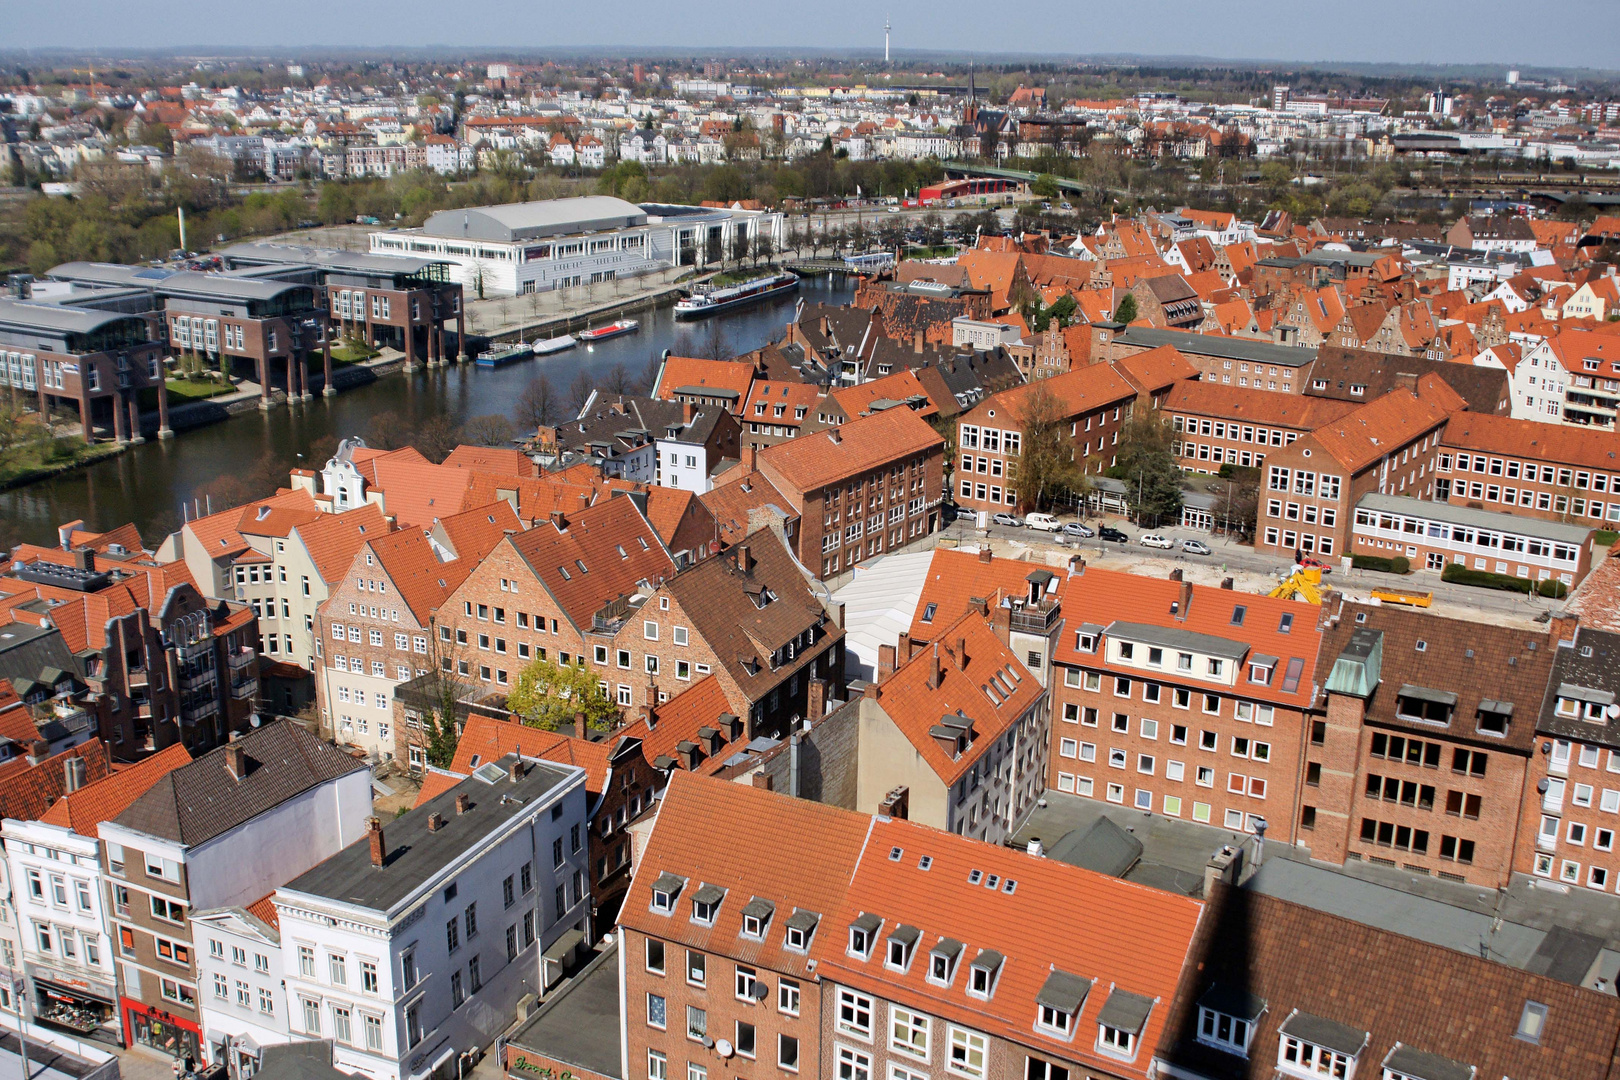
<point x="1530" y="469"/>
<point x="1431" y="535"/>
<point x="860" y="489"/>
<point x="1224" y="425"/>
<point x="1387" y="446"/>
<point x="1092" y="400"/>
<point x="1183" y="700"/>
<point x="1420" y="752"/>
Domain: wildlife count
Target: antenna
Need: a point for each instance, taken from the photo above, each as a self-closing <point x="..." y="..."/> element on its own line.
<point x="885" y="39"/>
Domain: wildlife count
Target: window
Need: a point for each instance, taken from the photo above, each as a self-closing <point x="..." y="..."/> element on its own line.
<point x="656" y="1011"/>
<point x="968" y="1051"/>
<point x="854" y="1014"/>
<point x="340" y="1024"/>
<point x="697" y="1023"/>
<point x="853" y="1065"/>
<point x="373" y="1026"/>
<point x="1116" y="1040"/>
<point x="787" y="1053"/>
<point x="787" y="997"/>
<point x="908" y="1032"/>
<point x="368" y="975"/>
<point x="655" y="956"/>
<point x="306" y="961"/>
<point x="746" y="982"/>
<point x="312" y="1016"/>
<point x="1054" y="1019"/>
<point x="697" y="968"/>
<point x="1531" y="1021"/>
<point x="339" y="969"/>
<point x="1314" y="1059"/>
<point x="1223" y="1031"/>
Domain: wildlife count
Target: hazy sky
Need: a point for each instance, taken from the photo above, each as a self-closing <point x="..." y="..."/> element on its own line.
<point x="1567" y="33"/>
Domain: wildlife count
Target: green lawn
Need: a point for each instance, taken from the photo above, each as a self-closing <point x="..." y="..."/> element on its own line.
<point x="349" y="353"/>
<point x="942" y="251"/>
<point x="42" y="457"/>
<point x="1606" y="537"/>
<point x="184" y="390"/>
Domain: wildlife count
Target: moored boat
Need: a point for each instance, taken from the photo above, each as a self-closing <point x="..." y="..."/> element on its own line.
<point x="611" y="330"/>
<point x="508" y="353"/>
<point x="554" y="345"/>
<point x="708" y="301"/>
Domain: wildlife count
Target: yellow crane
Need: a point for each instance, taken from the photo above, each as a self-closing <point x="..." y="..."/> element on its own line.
<point x="1305" y="583"/>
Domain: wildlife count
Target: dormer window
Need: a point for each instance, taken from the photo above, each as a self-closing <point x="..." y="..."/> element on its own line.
<point x="1120" y="1023"/>
<point x="1313" y="1046"/>
<point x="706" y="904"/>
<point x="942" y="961"/>
<point x="1085" y="642"/>
<point x="983" y="974"/>
<point x="801" y="927"/>
<point x="1059" y="1002"/>
<point x="1424" y="705"/>
<point x="1494" y="716"/>
<point x="862" y="934"/>
<point x="756" y="916"/>
<point x="1409" y="1063"/>
<point x="1583" y="702"/>
<point x="902" y="942"/>
<point x="664" y="891"/>
<point x="1227" y="1018"/>
<point x="1126" y="650"/>
<point x="1261" y="668"/>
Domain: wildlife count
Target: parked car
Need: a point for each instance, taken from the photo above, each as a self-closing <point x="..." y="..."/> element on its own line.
<point x="1043" y="522"/>
<point x="1195" y="547"/>
<point x="1111" y="534"/>
<point x="1007" y="519"/>
<point x="1310" y="562"/>
<point x="1075" y="528"/>
<point x="1155" y="540"/>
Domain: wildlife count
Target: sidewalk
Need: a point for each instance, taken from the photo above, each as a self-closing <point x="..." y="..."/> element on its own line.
<point x="507" y="314"/>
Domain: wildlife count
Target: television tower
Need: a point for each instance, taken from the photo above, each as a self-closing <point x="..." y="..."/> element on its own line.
<point x="885" y="39"/>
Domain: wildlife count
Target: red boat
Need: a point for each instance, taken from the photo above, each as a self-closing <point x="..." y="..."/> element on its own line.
<point x="611" y="330"/>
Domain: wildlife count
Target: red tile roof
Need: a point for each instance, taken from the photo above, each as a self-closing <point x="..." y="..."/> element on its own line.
<point x="473" y="533"/>
<point x="956" y="576"/>
<point x="855" y="400"/>
<point x="825" y="457"/>
<point x="333" y="539"/>
<point x="84" y="810"/>
<point x="1394" y="419"/>
<point x="1298" y="411"/>
<point x="1093" y="386"/>
<point x="731" y="502"/>
<point x="1156" y="369"/>
<point x="678" y="720"/>
<point x="617" y="546"/>
<point x="420" y="578"/>
<point x="264" y="909"/>
<point x="966" y="670"/>
<point x="686" y="371"/>
<point x="502" y="461"/>
<point x="16" y="722"/>
<point x="484" y="739"/>
<point x="27" y="791"/>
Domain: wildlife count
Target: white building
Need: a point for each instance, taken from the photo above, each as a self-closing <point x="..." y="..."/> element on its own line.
<point x="560" y="243"/>
<point x="62" y="921"/>
<point x="415" y="944"/>
<point x="244" y="1007"/>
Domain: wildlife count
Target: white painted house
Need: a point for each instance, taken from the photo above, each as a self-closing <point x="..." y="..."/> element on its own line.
<point x="244" y="1007"/>
<point x="415" y="945"/>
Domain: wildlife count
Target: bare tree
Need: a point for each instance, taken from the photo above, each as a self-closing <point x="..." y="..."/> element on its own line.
<point x="579" y="391"/>
<point x="489" y="429"/>
<point x="649" y="376"/>
<point x="436" y="437"/>
<point x="618" y="380"/>
<point x="537" y="404"/>
<point x="387" y="431"/>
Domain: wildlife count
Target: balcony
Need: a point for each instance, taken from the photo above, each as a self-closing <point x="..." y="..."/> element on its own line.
<point x="1036" y="618"/>
<point x="139" y="677"/>
<point x="244" y="688"/>
<point x="240" y="659"/>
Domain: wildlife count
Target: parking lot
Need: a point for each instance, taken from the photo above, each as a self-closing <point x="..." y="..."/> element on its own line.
<point x="1251" y="571"/>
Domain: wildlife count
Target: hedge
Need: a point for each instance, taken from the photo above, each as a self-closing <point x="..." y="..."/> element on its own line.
<point x="1399" y="564"/>
<point x="1553" y="588"/>
<point x="1461" y="575"/>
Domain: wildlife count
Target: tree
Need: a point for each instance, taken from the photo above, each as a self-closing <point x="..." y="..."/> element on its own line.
<point x="618" y="379"/>
<point x="537" y="404"/>
<point x="1044" y="185"/>
<point x="1148" y="467"/>
<point x="547" y="696"/>
<point x="1046" y="466"/>
<point x="436" y="437"/>
<point x="490" y="429"/>
<point x="387" y="431"/>
<point x="1126" y="312"/>
<point x="739" y="246"/>
<point x="579" y="391"/>
<point x="764" y="248"/>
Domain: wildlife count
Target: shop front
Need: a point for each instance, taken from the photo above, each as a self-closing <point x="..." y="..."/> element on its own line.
<point x="86" y="1007"/>
<point x="161" y="1030"/>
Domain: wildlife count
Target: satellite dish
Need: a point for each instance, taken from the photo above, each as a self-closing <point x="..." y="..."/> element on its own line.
<point x="1612" y="711"/>
<point x="708" y="1042"/>
<point x="759" y="992"/>
<point x="723" y="1048"/>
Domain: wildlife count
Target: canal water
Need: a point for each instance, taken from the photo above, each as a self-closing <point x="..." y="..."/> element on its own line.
<point x="149" y="483"/>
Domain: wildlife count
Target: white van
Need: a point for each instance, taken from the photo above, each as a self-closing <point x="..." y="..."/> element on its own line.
<point x="1043" y="522"/>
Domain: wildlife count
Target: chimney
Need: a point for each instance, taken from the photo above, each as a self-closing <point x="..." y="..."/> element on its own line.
<point x="826" y="326"/>
<point x="902" y="651"/>
<point x="934" y="670"/>
<point x="559" y="520"/>
<point x="885" y="664"/>
<point x="1226" y="583"/>
<point x="1034" y="847"/>
<point x="979" y="604"/>
<point x="1176" y="574"/>
<point x="463" y="801"/>
<point x="235" y="761"/>
<point x="688" y="412"/>
<point x="64" y="533"/>
<point x="1185" y="601"/>
<point x="1077" y="565"/>
<point x="917" y="342"/>
<point x="518" y="770"/>
<point x="763" y="781"/>
<point x="1562" y="627"/>
<point x="687" y="752"/>
<point x="745" y="561"/>
<point x="435" y="821"/>
<point x="1408" y="379"/>
<point x="38" y="751"/>
<point x="84" y="559"/>
<point x="985" y="554"/>
<point x="815" y="699"/>
<point x="961" y="652"/>
<point x="72" y="774"/>
<point x="870" y="691"/>
<point x="896" y="804"/>
<point x="649" y="715"/>
<point x="374" y="833"/>
<point x="750" y="457"/>
<point x="834" y="435"/>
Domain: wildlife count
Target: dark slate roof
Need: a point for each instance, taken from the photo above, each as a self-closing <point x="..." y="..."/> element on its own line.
<point x="1484" y="389"/>
<point x="303" y="1060"/>
<point x="1105" y="848"/>
<point x="201" y="800"/>
<point x="1445" y="1002"/>
<point x="579" y="1023"/>
<point x="1476" y="661"/>
<point x="1590" y="662"/>
<point x="1410" y="1061"/>
<point x="1219" y="345"/>
<point x="26" y="651"/>
<point x="1321" y="1031"/>
<point x="413" y="853"/>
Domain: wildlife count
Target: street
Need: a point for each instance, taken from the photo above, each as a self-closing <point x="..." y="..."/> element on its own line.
<point x="1251" y="571"/>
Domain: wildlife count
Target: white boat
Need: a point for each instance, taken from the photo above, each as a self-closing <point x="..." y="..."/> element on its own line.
<point x="556" y="344"/>
<point x="708" y="301"/>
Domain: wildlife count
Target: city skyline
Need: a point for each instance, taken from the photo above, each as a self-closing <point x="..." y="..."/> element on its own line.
<point x="1384" y="31"/>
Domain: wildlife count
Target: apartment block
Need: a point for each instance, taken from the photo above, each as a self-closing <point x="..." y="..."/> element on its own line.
<point x="859" y="489"/>
<point x="1529" y="469"/>
<point x="278" y="792"/>
<point x="239" y="984"/>
<point x="412" y="945"/>
<point x="1092" y="401"/>
<point x="1432" y="535"/>
<point x="1422" y="749"/>
<point x="1183" y="700"/>
<point x="1219" y="425"/>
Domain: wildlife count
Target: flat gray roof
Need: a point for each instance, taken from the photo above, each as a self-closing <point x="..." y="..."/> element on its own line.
<point x="31" y="315"/>
<point x="326" y="258"/>
<point x="174" y="282"/>
<point x="414" y="853"/>
<point x="1478" y="519"/>
<point x="1220" y="345"/>
<point x="579" y="1023"/>
<point x="1172" y="637"/>
<point x="516" y="222"/>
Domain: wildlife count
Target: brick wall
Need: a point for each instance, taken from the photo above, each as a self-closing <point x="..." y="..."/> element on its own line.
<point x="828" y="760"/>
